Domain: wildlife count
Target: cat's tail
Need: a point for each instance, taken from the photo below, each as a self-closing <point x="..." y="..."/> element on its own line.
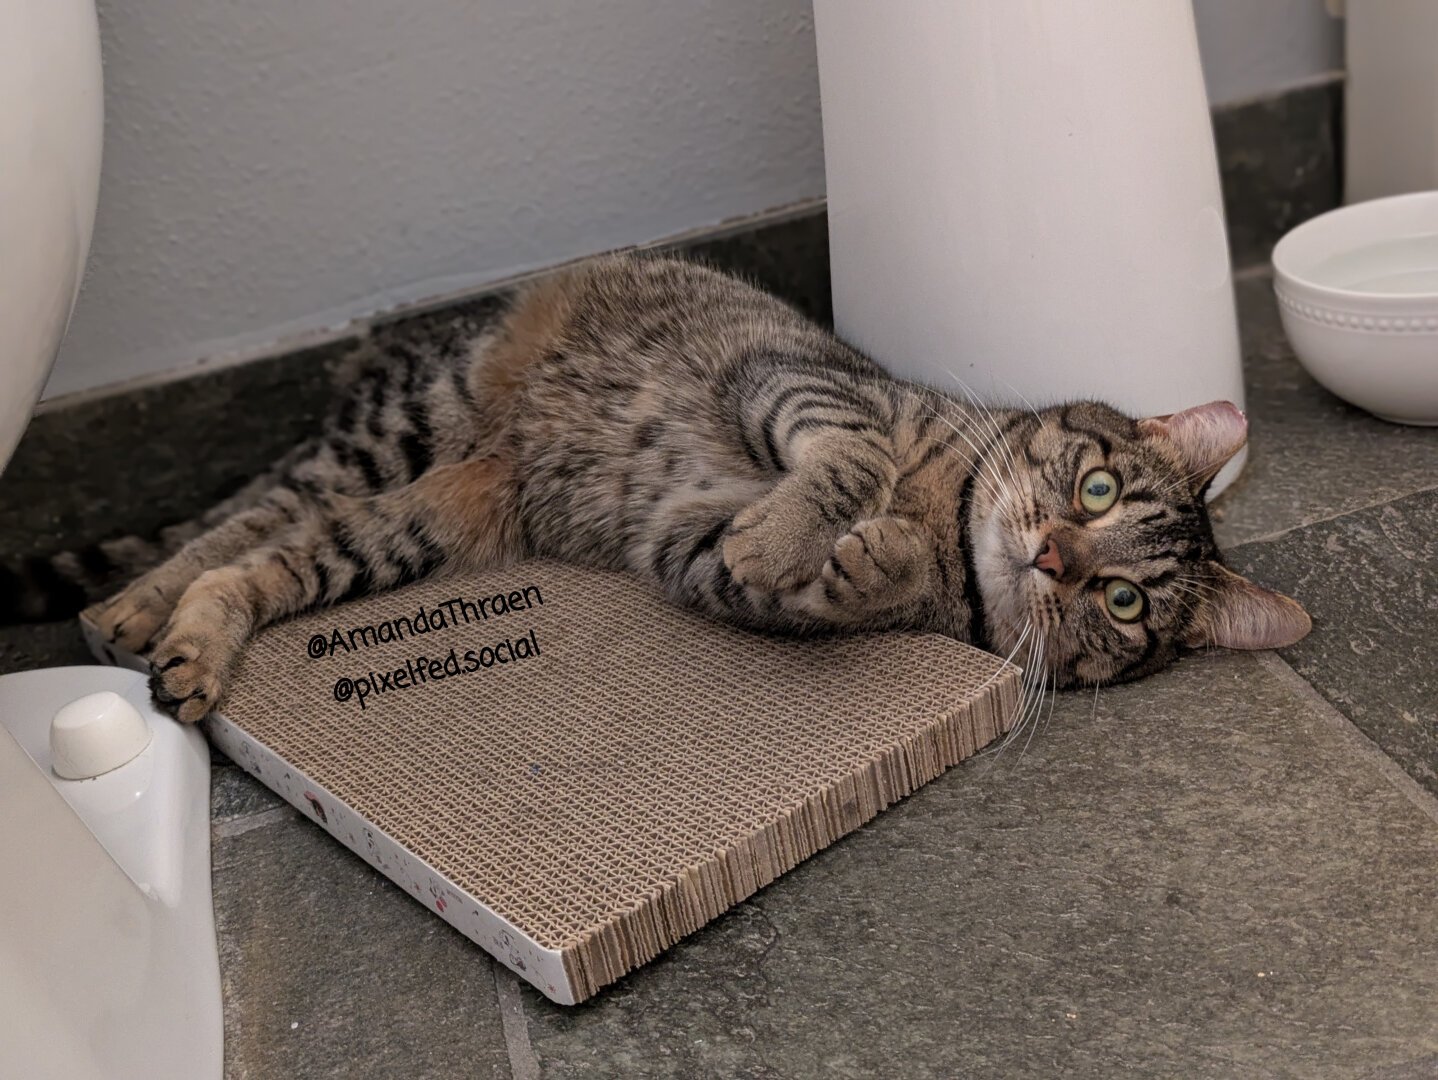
<point x="46" y="588"/>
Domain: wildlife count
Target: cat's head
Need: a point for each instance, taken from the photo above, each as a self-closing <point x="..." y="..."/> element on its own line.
<point x="1092" y="547"/>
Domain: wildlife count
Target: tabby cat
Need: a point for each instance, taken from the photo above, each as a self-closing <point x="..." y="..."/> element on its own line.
<point x="649" y="414"/>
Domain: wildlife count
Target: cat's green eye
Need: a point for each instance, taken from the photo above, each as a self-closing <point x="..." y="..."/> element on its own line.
<point x="1123" y="599"/>
<point x="1098" y="491"/>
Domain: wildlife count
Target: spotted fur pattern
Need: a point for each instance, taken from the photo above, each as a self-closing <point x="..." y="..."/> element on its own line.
<point x="654" y="416"/>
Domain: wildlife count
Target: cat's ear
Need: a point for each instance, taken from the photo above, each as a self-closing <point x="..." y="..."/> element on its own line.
<point x="1205" y="437"/>
<point x="1241" y="615"/>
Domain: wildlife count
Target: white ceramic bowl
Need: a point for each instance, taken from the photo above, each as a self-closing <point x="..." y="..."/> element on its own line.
<point x="1358" y="294"/>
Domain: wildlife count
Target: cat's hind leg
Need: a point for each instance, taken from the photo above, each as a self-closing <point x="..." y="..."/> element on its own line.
<point x="265" y="506"/>
<point x="394" y="422"/>
<point x="130" y="619"/>
<point x="461" y="514"/>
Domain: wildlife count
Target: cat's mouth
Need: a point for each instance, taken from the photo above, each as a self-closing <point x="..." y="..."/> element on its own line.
<point x="1033" y="562"/>
<point x="1016" y="593"/>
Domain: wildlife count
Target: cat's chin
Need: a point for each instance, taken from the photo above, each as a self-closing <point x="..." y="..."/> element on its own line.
<point x="1003" y="584"/>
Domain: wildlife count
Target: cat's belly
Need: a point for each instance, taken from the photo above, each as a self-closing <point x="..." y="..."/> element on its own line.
<point x="612" y="452"/>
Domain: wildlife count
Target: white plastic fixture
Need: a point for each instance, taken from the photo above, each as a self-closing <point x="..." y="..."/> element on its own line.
<point x="96" y="734"/>
<point x="108" y="965"/>
<point x="1358" y="295"/>
<point x="51" y="114"/>
<point x="1024" y="200"/>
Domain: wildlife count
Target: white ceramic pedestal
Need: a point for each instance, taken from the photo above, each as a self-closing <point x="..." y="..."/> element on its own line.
<point x="108" y="967"/>
<point x="1024" y="194"/>
<point x="51" y="112"/>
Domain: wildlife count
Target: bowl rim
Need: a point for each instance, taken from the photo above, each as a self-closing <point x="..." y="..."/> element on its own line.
<point x="1283" y="249"/>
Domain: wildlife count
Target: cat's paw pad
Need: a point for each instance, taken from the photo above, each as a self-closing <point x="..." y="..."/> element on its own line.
<point x="131" y="619"/>
<point x="768" y="549"/>
<point x="880" y="563"/>
<point x="184" y="679"/>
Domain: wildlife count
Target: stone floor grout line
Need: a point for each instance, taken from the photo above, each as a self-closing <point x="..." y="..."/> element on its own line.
<point x="1351" y="734"/>
<point x="523" y="1064"/>
<point x="243" y="823"/>
<point x="1279" y="534"/>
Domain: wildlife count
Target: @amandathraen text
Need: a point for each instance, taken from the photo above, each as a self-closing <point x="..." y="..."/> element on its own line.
<point x="446" y="615"/>
<point x="424" y="670"/>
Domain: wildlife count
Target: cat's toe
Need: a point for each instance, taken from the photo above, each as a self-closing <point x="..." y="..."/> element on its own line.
<point x="183" y="681"/>
<point x="772" y="554"/>
<point x="744" y="558"/>
<point x="880" y="563"/>
<point x="853" y="566"/>
<point x="131" y="620"/>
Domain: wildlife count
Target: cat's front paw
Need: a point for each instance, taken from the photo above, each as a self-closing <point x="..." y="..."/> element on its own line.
<point x="879" y="565"/>
<point x="194" y="653"/>
<point x="187" y="676"/>
<point x="775" y="546"/>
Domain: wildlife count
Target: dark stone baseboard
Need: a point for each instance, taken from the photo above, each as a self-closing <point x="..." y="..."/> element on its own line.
<point x="137" y="459"/>
<point x="1281" y="160"/>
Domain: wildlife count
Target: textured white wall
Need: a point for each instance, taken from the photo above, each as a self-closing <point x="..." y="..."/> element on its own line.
<point x="273" y="167"/>
<point x="1251" y="47"/>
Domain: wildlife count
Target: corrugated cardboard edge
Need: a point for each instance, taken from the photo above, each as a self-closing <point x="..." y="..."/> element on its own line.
<point x="583" y="966"/>
<point x="544" y="968"/>
<point x="733" y="874"/>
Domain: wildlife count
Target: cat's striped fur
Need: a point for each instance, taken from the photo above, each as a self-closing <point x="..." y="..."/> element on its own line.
<point x="648" y="414"/>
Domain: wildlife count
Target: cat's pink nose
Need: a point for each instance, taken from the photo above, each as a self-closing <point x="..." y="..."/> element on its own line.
<point x="1049" y="560"/>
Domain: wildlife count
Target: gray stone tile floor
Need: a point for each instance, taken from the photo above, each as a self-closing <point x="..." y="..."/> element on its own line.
<point x="1229" y="870"/>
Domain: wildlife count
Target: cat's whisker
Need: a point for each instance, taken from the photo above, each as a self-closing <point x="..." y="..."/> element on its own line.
<point x="1053" y="700"/>
<point x="1028" y="625"/>
<point x="1033" y="695"/>
<point x="980" y="459"/>
<point x="1023" y="695"/>
<point x="986" y="414"/>
<point x="1038" y="712"/>
<point x="995" y="444"/>
<point x="999" y="496"/>
<point x="1027" y="403"/>
<point x="1185" y="589"/>
<point x="1183" y="480"/>
<point x="982" y="416"/>
<point x="1023" y="636"/>
<point x="1053" y="703"/>
<point x="1199" y="593"/>
<point x="1196" y="598"/>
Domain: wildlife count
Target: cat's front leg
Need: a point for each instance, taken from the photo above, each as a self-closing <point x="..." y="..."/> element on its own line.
<point x="883" y="565"/>
<point x="780" y="542"/>
<point x="199" y="645"/>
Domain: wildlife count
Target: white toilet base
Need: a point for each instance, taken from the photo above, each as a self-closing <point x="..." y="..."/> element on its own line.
<point x="108" y="964"/>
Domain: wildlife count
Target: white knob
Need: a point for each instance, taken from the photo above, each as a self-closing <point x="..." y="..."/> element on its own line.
<point x="96" y="734"/>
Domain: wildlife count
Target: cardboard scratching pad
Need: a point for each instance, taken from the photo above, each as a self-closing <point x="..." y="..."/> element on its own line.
<point x="576" y="774"/>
